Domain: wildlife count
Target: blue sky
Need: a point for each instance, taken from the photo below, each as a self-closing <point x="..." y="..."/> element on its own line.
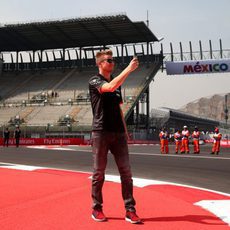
<point x="175" y="20"/>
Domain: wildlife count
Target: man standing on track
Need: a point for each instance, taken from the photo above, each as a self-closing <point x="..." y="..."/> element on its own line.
<point x="196" y="139"/>
<point x="185" y="140"/>
<point x="6" y="137"/>
<point x="110" y="133"/>
<point x="17" y="134"/>
<point x="216" y="142"/>
<point x="164" y="141"/>
<point x="177" y="140"/>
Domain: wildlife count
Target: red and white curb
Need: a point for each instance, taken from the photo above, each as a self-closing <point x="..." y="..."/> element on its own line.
<point x="220" y="208"/>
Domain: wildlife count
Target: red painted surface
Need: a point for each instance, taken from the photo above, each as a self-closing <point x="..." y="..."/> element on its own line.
<point x="60" y="200"/>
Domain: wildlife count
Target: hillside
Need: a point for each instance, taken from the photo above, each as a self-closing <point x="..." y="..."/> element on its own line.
<point x="209" y="107"/>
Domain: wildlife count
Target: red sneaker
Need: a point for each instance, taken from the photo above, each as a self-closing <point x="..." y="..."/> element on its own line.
<point x="98" y="215"/>
<point x="132" y="217"/>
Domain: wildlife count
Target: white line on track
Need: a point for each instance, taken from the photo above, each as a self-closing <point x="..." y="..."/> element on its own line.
<point x="142" y="154"/>
<point x="181" y="156"/>
<point x="168" y="155"/>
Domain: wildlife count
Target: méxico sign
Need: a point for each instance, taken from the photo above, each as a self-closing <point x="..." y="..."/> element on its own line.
<point x="198" y="67"/>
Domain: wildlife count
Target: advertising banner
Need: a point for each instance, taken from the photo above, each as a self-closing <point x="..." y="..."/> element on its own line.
<point x="198" y="67"/>
<point x="46" y="141"/>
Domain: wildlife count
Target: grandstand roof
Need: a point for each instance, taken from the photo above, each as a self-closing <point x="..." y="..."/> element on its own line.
<point x="79" y="32"/>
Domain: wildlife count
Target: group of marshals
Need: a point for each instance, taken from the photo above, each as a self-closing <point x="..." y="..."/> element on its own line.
<point x="181" y="140"/>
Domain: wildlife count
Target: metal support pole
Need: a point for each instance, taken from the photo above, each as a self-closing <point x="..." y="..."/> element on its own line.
<point x="162" y="54"/>
<point x="1" y="64"/>
<point x="147" y="21"/>
<point x="221" y="49"/>
<point x="80" y="58"/>
<point x="63" y="58"/>
<point x="147" y="109"/>
<point x="54" y="59"/>
<point x="210" y="45"/>
<point x="122" y="55"/>
<point x="33" y="60"/>
<point x="147" y="55"/>
<point x="226" y="110"/>
<point x="151" y="48"/>
<point x="17" y="57"/>
<point x="70" y="61"/>
<point x="47" y="59"/>
<point x="134" y="50"/>
<point x="41" y="58"/>
<point x="137" y="115"/>
<point x="190" y="46"/>
<point x="171" y="49"/>
<point x="201" y="51"/>
<point x="143" y="49"/>
<point x="126" y="51"/>
<point x="181" y="52"/>
<point x="117" y="50"/>
<point x="86" y="56"/>
<point x="12" y="58"/>
<point x="77" y="58"/>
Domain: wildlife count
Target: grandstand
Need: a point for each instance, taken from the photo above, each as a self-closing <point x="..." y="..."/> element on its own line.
<point x="36" y="94"/>
<point x="47" y="65"/>
<point x="45" y="68"/>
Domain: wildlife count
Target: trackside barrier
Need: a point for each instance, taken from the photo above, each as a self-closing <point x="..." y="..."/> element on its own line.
<point x="141" y="142"/>
<point x="223" y="143"/>
<point x="65" y="141"/>
<point x="46" y="141"/>
<point x="81" y="141"/>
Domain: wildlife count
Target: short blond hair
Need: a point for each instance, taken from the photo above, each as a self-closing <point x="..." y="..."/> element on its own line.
<point x="101" y="53"/>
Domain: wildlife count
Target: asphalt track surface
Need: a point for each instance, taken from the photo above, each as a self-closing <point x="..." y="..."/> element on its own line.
<point x="203" y="170"/>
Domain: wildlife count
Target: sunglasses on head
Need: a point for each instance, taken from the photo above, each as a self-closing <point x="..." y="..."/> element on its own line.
<point x="109" y="60"/>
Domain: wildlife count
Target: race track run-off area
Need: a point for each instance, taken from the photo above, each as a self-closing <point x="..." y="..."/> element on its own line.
<point x="35" y="198"/>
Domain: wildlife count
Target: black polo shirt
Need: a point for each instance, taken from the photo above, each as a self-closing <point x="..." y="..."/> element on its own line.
<point x="105" y="107"/>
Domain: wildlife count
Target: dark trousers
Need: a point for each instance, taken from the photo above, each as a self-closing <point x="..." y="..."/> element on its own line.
<point x="6" y="142"/>
<point x="117" y="144"/>
<point x="17" y="141"/>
